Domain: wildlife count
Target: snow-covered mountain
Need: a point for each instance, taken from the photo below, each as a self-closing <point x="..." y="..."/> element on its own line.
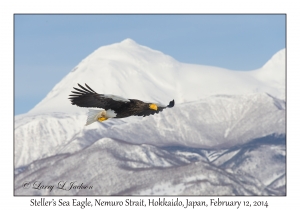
<point x="134" y="71"/>
<point x="113" y="167"/>
<point x="221" y="124"/>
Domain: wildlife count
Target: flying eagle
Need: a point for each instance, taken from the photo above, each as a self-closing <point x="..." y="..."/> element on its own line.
<point x="114" y="106"/>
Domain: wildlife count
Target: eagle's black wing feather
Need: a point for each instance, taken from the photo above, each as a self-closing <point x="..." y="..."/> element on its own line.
<point x="87" y="97"/>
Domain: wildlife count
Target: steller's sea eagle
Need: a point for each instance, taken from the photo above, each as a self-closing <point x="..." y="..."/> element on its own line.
<point x="114" y="106"/>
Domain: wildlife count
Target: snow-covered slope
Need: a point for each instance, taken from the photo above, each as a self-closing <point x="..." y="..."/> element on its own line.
<point x="218" y="113"/>
<point x="114" y="167"/>
<point x="214" y="122"/>
<point x="38" y="136"/>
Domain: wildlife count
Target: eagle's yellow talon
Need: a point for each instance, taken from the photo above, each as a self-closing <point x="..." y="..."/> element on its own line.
<point x="101" y="119"/>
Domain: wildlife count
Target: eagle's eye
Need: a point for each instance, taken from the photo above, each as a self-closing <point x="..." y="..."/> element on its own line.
<point x="153" y="106"/>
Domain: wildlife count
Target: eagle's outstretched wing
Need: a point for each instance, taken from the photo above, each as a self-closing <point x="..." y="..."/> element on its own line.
<point x="87" y="97"/>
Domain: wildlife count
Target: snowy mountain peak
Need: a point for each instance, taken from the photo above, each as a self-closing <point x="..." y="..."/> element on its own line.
<point x="128" y="41"/>
<point x="128" y="51"/>
<point x="272" y="74"/>
<point x="278" y="59"/>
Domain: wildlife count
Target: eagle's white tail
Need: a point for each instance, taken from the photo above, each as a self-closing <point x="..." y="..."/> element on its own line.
<point x="93" y="116"/>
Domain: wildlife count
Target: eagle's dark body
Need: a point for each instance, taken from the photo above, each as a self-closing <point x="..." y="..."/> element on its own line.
<point x="87" y="97"/>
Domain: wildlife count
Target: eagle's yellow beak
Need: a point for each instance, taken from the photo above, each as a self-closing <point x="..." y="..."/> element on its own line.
<point x="153" y="106"/>
<point x="101" y="119"/>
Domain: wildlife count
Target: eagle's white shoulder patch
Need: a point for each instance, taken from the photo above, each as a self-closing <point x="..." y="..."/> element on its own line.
<point x="110" y="113"/>
<point x="116" y="98"/>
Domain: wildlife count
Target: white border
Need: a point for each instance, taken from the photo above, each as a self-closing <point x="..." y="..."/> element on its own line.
<point x="8" y="8"/>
